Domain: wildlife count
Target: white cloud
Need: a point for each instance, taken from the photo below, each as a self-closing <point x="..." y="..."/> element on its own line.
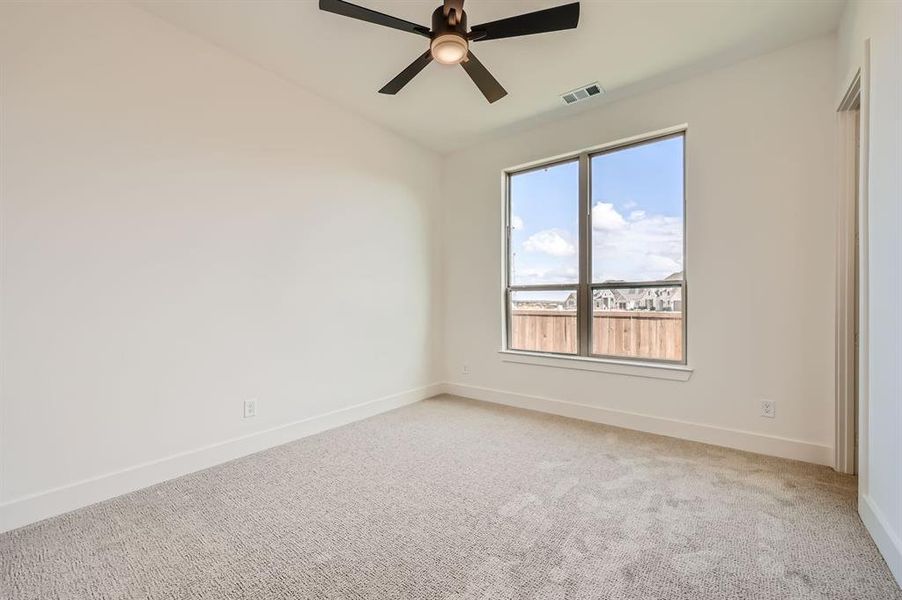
<point x="538" y="276"/>
<point x="606" y="218"/>
<point x="516" y="222"/>
<point x="553" y="242"/>
<point x="644" y="247"/>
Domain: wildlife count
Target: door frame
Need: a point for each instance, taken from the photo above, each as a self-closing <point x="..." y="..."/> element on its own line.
<point x="850" y="275"/>
<point x="848" y="280"/>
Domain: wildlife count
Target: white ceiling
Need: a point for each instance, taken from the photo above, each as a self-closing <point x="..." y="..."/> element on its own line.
<point x="624" y="45"/>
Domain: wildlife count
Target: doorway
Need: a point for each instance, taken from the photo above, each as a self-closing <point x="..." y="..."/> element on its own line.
<point x="848" y="283"/>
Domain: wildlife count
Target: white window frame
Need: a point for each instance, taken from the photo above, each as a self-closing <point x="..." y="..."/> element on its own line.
<point x="584" y="359"/>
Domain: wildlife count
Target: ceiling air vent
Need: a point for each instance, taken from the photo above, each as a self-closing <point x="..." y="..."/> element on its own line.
<point x="587" y="91"/>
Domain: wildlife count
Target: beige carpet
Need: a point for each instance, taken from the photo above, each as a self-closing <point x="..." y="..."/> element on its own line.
<point x="451" y="498"/>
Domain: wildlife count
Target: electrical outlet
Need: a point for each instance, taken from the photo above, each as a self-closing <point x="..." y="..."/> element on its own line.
<point x="250" y="408"/>
<point x="769" y="408"/>
<point x="466" y="369"/>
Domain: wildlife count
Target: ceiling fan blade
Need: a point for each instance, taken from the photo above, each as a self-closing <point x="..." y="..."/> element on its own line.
<point x="403" y="78"/>
<point x="487" y="84"/>
<point x="551" y="19"/>
<point x="346" y="9"/>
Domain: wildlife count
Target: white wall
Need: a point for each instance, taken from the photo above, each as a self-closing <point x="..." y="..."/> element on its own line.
<point x="182" y="230"/>
<point x="760" y="263"/>
<point x="879" y="25"/>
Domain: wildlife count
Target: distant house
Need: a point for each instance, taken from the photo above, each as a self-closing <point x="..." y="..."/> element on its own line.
<point x="663" y="299"/>
<point x="570" y="302"/>
<point x="676" y="299"/>
<point x="668" y="299"/>
<point x="606" y="299"/>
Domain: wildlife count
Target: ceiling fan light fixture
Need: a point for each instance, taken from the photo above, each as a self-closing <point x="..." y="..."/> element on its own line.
<point x="449" y="48"/>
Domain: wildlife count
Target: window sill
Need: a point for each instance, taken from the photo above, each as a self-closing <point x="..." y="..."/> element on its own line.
<point x="600" y="365"/>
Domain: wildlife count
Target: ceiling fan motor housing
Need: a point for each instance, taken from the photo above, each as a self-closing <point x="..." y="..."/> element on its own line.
<point x="449" y="40"/>
<point x="441" y="25"/>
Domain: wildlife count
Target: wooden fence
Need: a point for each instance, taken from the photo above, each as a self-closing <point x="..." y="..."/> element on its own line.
<point x="638" y="334"/>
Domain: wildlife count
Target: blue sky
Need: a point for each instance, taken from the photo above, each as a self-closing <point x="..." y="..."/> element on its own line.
<point x="650" y="175"/>
<point x="637" y="217"/>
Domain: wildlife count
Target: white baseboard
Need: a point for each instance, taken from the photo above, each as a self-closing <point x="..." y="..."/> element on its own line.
<point x="696" y="432"/>
<point x="35" y="507"/>
<point x="887" y="540"/>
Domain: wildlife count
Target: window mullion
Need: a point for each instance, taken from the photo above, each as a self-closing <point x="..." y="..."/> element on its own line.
<point x="584" y="304"/>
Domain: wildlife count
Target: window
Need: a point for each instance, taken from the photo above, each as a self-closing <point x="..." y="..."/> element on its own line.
<point x="595" y="254"/>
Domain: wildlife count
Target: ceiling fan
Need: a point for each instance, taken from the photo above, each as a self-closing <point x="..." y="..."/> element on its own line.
<point x="450" y="39"/>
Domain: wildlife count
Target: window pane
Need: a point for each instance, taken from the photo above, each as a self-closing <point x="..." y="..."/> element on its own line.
<point x="544" y="225"/>
<point x="543" y="321"/>
<point x="638" y="322"/>
<point x="637" y="213"/>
